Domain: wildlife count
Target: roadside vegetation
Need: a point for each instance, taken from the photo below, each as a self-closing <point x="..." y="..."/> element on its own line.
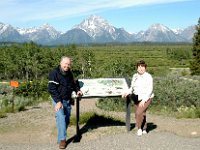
<point x="176" y="86"/>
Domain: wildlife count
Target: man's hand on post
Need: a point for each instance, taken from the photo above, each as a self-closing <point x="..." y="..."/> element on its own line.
<point x="79" y="93"/>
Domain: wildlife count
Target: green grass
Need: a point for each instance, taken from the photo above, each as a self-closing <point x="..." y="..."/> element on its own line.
<point x="3" y="115"/>
<point x="94" y="119"/>
<point x="182" y="112"/>
<point x="155" y="55"/>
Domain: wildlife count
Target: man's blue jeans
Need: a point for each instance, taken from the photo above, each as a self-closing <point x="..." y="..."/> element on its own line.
<point x="62" y="119"/>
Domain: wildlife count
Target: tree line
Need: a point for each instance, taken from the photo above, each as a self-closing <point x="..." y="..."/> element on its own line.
<point x="29" y="61"/>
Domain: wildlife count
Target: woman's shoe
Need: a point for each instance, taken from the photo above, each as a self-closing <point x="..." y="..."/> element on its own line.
<point x="139" y="132"/>
<point x="144" y="132"/>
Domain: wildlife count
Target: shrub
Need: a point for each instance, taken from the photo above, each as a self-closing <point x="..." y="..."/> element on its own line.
<point x="112" y="104"/>
<point x="173" y="96"/>
<point x="28" y="93"/>
<point x="188" y="112"/>
<point x="175" y="92"/>
<point x="35" y="88"/>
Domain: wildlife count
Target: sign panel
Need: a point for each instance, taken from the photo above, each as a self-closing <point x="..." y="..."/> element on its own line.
<point x="14" y="83"/>
<point x="103" y="87"/>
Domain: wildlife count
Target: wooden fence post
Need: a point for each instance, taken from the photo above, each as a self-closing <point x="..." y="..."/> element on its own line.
<point x="14" y="84"/>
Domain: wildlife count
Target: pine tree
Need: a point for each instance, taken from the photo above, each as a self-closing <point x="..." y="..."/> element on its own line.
<point x="195" y="63"/>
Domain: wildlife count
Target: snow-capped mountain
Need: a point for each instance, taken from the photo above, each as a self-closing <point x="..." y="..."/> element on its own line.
<point x="101" y="31"/>
<point x="177" y="31"/>
<point x="159" y="33"/>
<point x="43" y="34"/>
<point x="96" y="26"/>
<point x="93" y="29"/>
<point x="9" y="34"/>
<point x="188" y="33"/>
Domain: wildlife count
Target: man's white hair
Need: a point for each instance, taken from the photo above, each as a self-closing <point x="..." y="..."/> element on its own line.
<point x="64" y="57"/>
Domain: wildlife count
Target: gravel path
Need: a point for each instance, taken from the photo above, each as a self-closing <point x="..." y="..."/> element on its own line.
<point x="34" y="129"/>
<point x="123" y="141"/>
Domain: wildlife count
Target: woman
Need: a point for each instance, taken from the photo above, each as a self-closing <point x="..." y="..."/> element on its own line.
<point x="141" y="92"/>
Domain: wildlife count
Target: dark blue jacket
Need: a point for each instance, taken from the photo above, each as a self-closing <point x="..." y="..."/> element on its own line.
<point x="61" y="85"/>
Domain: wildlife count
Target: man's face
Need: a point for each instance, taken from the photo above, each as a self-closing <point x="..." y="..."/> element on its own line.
<point x="141" y="69"/>
<point x="65" y="64"/>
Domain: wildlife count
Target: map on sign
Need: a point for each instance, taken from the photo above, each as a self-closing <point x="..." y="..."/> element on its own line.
<point x="103" y="87"/>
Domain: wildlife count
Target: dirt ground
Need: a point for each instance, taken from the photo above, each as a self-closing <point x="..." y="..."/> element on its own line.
<point x="36" y="125"/>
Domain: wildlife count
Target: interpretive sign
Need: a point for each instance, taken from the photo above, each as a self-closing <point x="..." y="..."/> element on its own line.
<point x="103" y="87"/>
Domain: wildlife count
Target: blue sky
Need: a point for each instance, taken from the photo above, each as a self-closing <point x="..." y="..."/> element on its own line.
<point x="132" y="15"/>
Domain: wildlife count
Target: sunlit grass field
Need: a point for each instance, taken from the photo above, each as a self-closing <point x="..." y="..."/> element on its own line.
<point x="156" y="56"/>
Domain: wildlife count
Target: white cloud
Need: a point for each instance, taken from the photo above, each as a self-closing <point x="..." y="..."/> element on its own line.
<point x="27" y="10"/>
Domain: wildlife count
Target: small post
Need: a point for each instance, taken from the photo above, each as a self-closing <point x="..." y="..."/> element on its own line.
<point x="13" y="84"/>
<point x="128" y="113"/>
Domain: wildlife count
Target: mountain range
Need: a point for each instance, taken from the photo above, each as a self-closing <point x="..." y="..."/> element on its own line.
<point x="94" y="29"/>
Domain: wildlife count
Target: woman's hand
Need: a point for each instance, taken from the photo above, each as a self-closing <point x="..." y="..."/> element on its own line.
<point x="141" y="104"/>
<point x="124" y="95"/>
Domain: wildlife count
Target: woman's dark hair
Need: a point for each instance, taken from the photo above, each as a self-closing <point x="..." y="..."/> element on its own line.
<point x="141" y="63"/>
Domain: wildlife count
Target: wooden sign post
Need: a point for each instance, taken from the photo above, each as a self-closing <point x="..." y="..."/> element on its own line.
<point x="13" y="84"/>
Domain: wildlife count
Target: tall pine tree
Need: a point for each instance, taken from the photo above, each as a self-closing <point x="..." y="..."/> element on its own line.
<point x="195" y="63"/>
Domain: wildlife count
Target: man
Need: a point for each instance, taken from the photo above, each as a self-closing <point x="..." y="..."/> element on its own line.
<point x="141" y="92"/>
<point x="61" y="85"/>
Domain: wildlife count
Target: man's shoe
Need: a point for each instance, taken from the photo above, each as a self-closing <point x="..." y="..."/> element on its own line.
<point x="62" y="144"/>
